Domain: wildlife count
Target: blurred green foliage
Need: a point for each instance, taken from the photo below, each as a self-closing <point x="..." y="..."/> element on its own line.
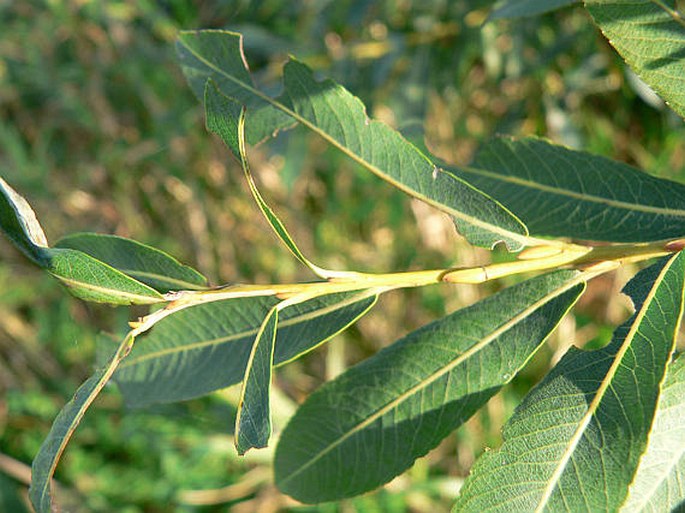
<point x="99" y="131"/>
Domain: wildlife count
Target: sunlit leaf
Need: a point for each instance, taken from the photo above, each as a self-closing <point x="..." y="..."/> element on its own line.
<point x="253" y="420"/>
<point x="139" y="261"/>
<point x="575" y="441"/>
<point x="205" y="347"/>
<point x="337" y="116"/>
<point x="565" y="193"/>
<point x="370" y="424"/>
<point x="659" y="484"/>
<point x="650" y="36"/>
<point x="523" y="8"/>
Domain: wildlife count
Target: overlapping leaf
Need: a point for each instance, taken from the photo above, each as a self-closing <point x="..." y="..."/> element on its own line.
<point x="565" y="193"/>
<point x="575" y="441"/>
<point x="650" y="36"/>
<point x="523" y="8"/>
<point x="659" y="484"/>
<point x="370" y="424"/>
<point x="337" y="116"/>
<point x="85" y="277"/>
<point x="206" y="347"/>
<point x="139" y="261"/>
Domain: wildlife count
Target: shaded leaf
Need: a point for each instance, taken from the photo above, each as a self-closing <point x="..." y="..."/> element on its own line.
<point x="253" y="420"/>
<point x="205" y="347"/>
<point x="659" y="484"/>
<point x="337" y="116"/>
<point x="139" y="261"/>
<point x="574" y="442"/>
<point x="650" y="36"/>
<point x="524" y="8"/>
<point x="566" y="193"/>
<point x="50" y="452"/>
<point x="370" y="424"/>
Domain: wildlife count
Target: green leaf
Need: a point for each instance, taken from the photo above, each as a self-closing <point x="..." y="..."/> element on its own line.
<point x="574" y="442"/>
<point x="659" y="484"/>
<point x="338" y="117"/>
<point x="206" y="347"/>
<point x="86" y="277"/>
<point x="650" y="36"/>
<point x="524" y="8"/>
<point x="139" y="261"/>
<point x="45" y="462"/>
<point x="253" y="420"/>
<point x="370" y="424"/>
<point x="19" y="222"/>
<point x="565" y="193"/>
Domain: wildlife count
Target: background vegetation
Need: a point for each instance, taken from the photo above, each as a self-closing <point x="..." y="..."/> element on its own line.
<point x="100" y="132"/>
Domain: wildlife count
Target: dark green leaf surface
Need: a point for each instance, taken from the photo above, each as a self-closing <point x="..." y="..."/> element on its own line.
<point x="659" y="484"/>
<point x="565" y="193"/>
<point x="139" y="261"/>
<point x="205" y="347"/>
<point x="650" y="36"/>
<point x="574" y="442"/>
<point x="253" y="421"/>
<point x="337" y="116"/>
<point x="523" y="8"/>
<point x="370" y="424"/>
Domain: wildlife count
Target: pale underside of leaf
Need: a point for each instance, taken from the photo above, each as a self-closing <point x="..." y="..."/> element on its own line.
<point x="575" y="441"/>
<point x="565" y="193"/>
<point x="205" y="347"/>
<point x="338" y="117"/>
<point x="371" y="423"/>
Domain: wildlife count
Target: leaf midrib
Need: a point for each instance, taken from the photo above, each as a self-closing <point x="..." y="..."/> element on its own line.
<point x="522" y="239"/>
<point x="154" y="297"/>
<point x="437" y="374"/>
<point x="636" y="207"/>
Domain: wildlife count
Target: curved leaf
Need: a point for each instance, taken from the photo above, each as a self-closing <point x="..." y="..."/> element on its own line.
<point x="650" y="36"/>
<point x="370" y="424"/>
<point x="206" y="347"/>
<point x="139" y="261"/>
<point x="565" y="193"/>
<point x="253" y="420"/>
<point x="337" y="116"/>
<point x="659" y="483"/>
<point x="574" y="442"/>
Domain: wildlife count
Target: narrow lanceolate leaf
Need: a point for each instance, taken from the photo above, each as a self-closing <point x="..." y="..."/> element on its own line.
<point x="659" y="484"/>
<point x="206" y="347"/>
<point x="86" y="277"/>
<point x="18" y="222"/>
<point x="139" y="261"/>
<point x="574" y="442"/>
<point x="45" y="462"/>
<point x="370" y="424"/>
<point x="650" y="36"/>
<point x="253" y="420"/>
<point x="524" y="8"/>
<point x="565" y="193"/>
<point x="226" y="118"/>
<point x="337" y="116"/>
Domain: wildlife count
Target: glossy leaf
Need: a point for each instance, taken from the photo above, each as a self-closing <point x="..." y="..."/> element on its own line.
<point x="337" y="116"/>
<point x="524" y="8"/>
<point x="574" y="442"/>
<point x="253" y="420"/>
<point x="370" y="424"/>
<point x="565" y="193"/>
<point x="206" y="347"/>
<point x="650" y="36"/>
<point x="139" y="261"/>
<point x="659" y="484"/>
